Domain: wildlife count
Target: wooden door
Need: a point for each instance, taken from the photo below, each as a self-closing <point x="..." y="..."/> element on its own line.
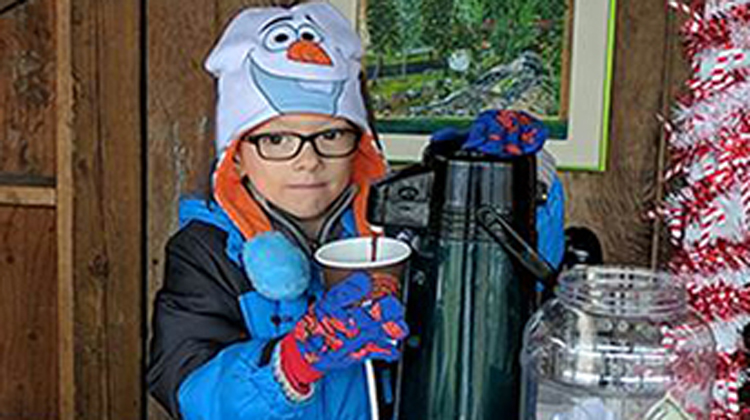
<point x="34" y="305"/>
<point x="71" y="235"/>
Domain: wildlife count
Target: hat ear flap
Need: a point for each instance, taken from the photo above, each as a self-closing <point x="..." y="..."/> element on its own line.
<point x="239" y="38"/>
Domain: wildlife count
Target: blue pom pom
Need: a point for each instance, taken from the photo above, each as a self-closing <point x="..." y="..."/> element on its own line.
<point x="277" y="268"/>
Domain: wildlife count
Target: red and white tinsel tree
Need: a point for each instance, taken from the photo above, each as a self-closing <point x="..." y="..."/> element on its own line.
<point x="707" y="210"/>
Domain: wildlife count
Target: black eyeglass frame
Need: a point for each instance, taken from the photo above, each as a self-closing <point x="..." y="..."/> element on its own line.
<point x="310" y="138"/>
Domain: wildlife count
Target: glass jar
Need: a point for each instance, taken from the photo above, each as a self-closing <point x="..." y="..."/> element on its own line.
<point x="617" y="343"/>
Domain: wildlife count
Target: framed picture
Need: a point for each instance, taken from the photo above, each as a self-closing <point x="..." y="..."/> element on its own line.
<point x="437" y="63"/>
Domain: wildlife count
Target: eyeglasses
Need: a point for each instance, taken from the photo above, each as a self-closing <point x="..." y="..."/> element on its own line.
<point x="333" y="143"/>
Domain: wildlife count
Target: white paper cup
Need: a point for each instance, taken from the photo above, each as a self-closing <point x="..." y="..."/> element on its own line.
<point x="340" y="258"/>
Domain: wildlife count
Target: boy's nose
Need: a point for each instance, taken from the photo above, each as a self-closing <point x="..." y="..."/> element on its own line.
<point x="308" y="158"/>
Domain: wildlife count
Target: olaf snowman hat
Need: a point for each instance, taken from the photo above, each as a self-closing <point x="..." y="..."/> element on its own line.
<point x="274" y="61"/>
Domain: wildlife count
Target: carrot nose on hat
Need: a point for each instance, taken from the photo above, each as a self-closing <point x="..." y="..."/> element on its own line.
<point x="308" y="52"/>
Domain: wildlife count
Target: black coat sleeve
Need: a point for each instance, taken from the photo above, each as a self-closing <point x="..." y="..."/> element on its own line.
<point x="196" y="312"/>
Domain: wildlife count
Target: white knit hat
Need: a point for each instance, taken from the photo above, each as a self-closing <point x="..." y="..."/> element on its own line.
<point x="273" y="61"/>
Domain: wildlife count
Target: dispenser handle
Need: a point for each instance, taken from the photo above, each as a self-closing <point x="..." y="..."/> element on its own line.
<point x="504" y="234"/>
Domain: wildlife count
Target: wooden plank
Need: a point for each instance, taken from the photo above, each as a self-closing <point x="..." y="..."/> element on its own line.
<point x="64" y="185"/>
<point x="28" y="196"/>
<point x="8" y="179"/>
<point x="180" y="133"/>
<point x="614" y="203"/>
<point x="28" y="310"/>
<point x="107" y="221"/>
<point x="27" y="89"/>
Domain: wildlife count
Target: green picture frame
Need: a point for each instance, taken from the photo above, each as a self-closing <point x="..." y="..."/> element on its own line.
<point x="578" y="135"/>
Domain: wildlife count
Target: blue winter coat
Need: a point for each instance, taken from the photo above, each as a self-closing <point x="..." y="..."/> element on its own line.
<point x="214" y="334"/>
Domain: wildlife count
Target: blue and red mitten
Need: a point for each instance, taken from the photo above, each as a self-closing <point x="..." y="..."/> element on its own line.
<point x="506" y="133"/>
<point x="345" y="327"/>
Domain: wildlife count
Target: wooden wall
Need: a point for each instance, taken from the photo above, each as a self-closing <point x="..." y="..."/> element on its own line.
<point x="28" y="310"/>
<point x="29" y="333"/>
<point x="648" y="73"/>
<point x="108" y="234"/>
<point x="27" y="94"/>
<point x="71" y="209"/>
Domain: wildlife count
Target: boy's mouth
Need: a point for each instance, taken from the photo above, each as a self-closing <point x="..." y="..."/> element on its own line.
<point x="307" y="186"/>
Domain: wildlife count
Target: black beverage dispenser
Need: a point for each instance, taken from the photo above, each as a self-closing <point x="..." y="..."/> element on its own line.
<point x="471" y="283"/>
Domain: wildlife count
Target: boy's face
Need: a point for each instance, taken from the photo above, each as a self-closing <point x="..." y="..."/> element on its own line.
<point x="306" y="184"/>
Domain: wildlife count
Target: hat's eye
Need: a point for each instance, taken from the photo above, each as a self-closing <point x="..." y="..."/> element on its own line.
<point x="309" y="33"/>
<point x="280" y="37"/>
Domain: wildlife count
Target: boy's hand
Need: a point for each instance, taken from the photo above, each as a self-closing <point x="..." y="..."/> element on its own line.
<point x="345" y="327"/>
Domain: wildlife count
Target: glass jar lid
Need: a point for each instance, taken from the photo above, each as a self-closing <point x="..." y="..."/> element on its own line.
<point x="622" y="291"/>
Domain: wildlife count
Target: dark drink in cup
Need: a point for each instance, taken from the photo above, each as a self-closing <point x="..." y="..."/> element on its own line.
<point x="382" y="258"/>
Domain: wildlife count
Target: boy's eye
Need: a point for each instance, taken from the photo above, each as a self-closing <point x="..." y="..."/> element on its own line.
<point x="273" y="139"/>
<point x="331" y="135"/>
